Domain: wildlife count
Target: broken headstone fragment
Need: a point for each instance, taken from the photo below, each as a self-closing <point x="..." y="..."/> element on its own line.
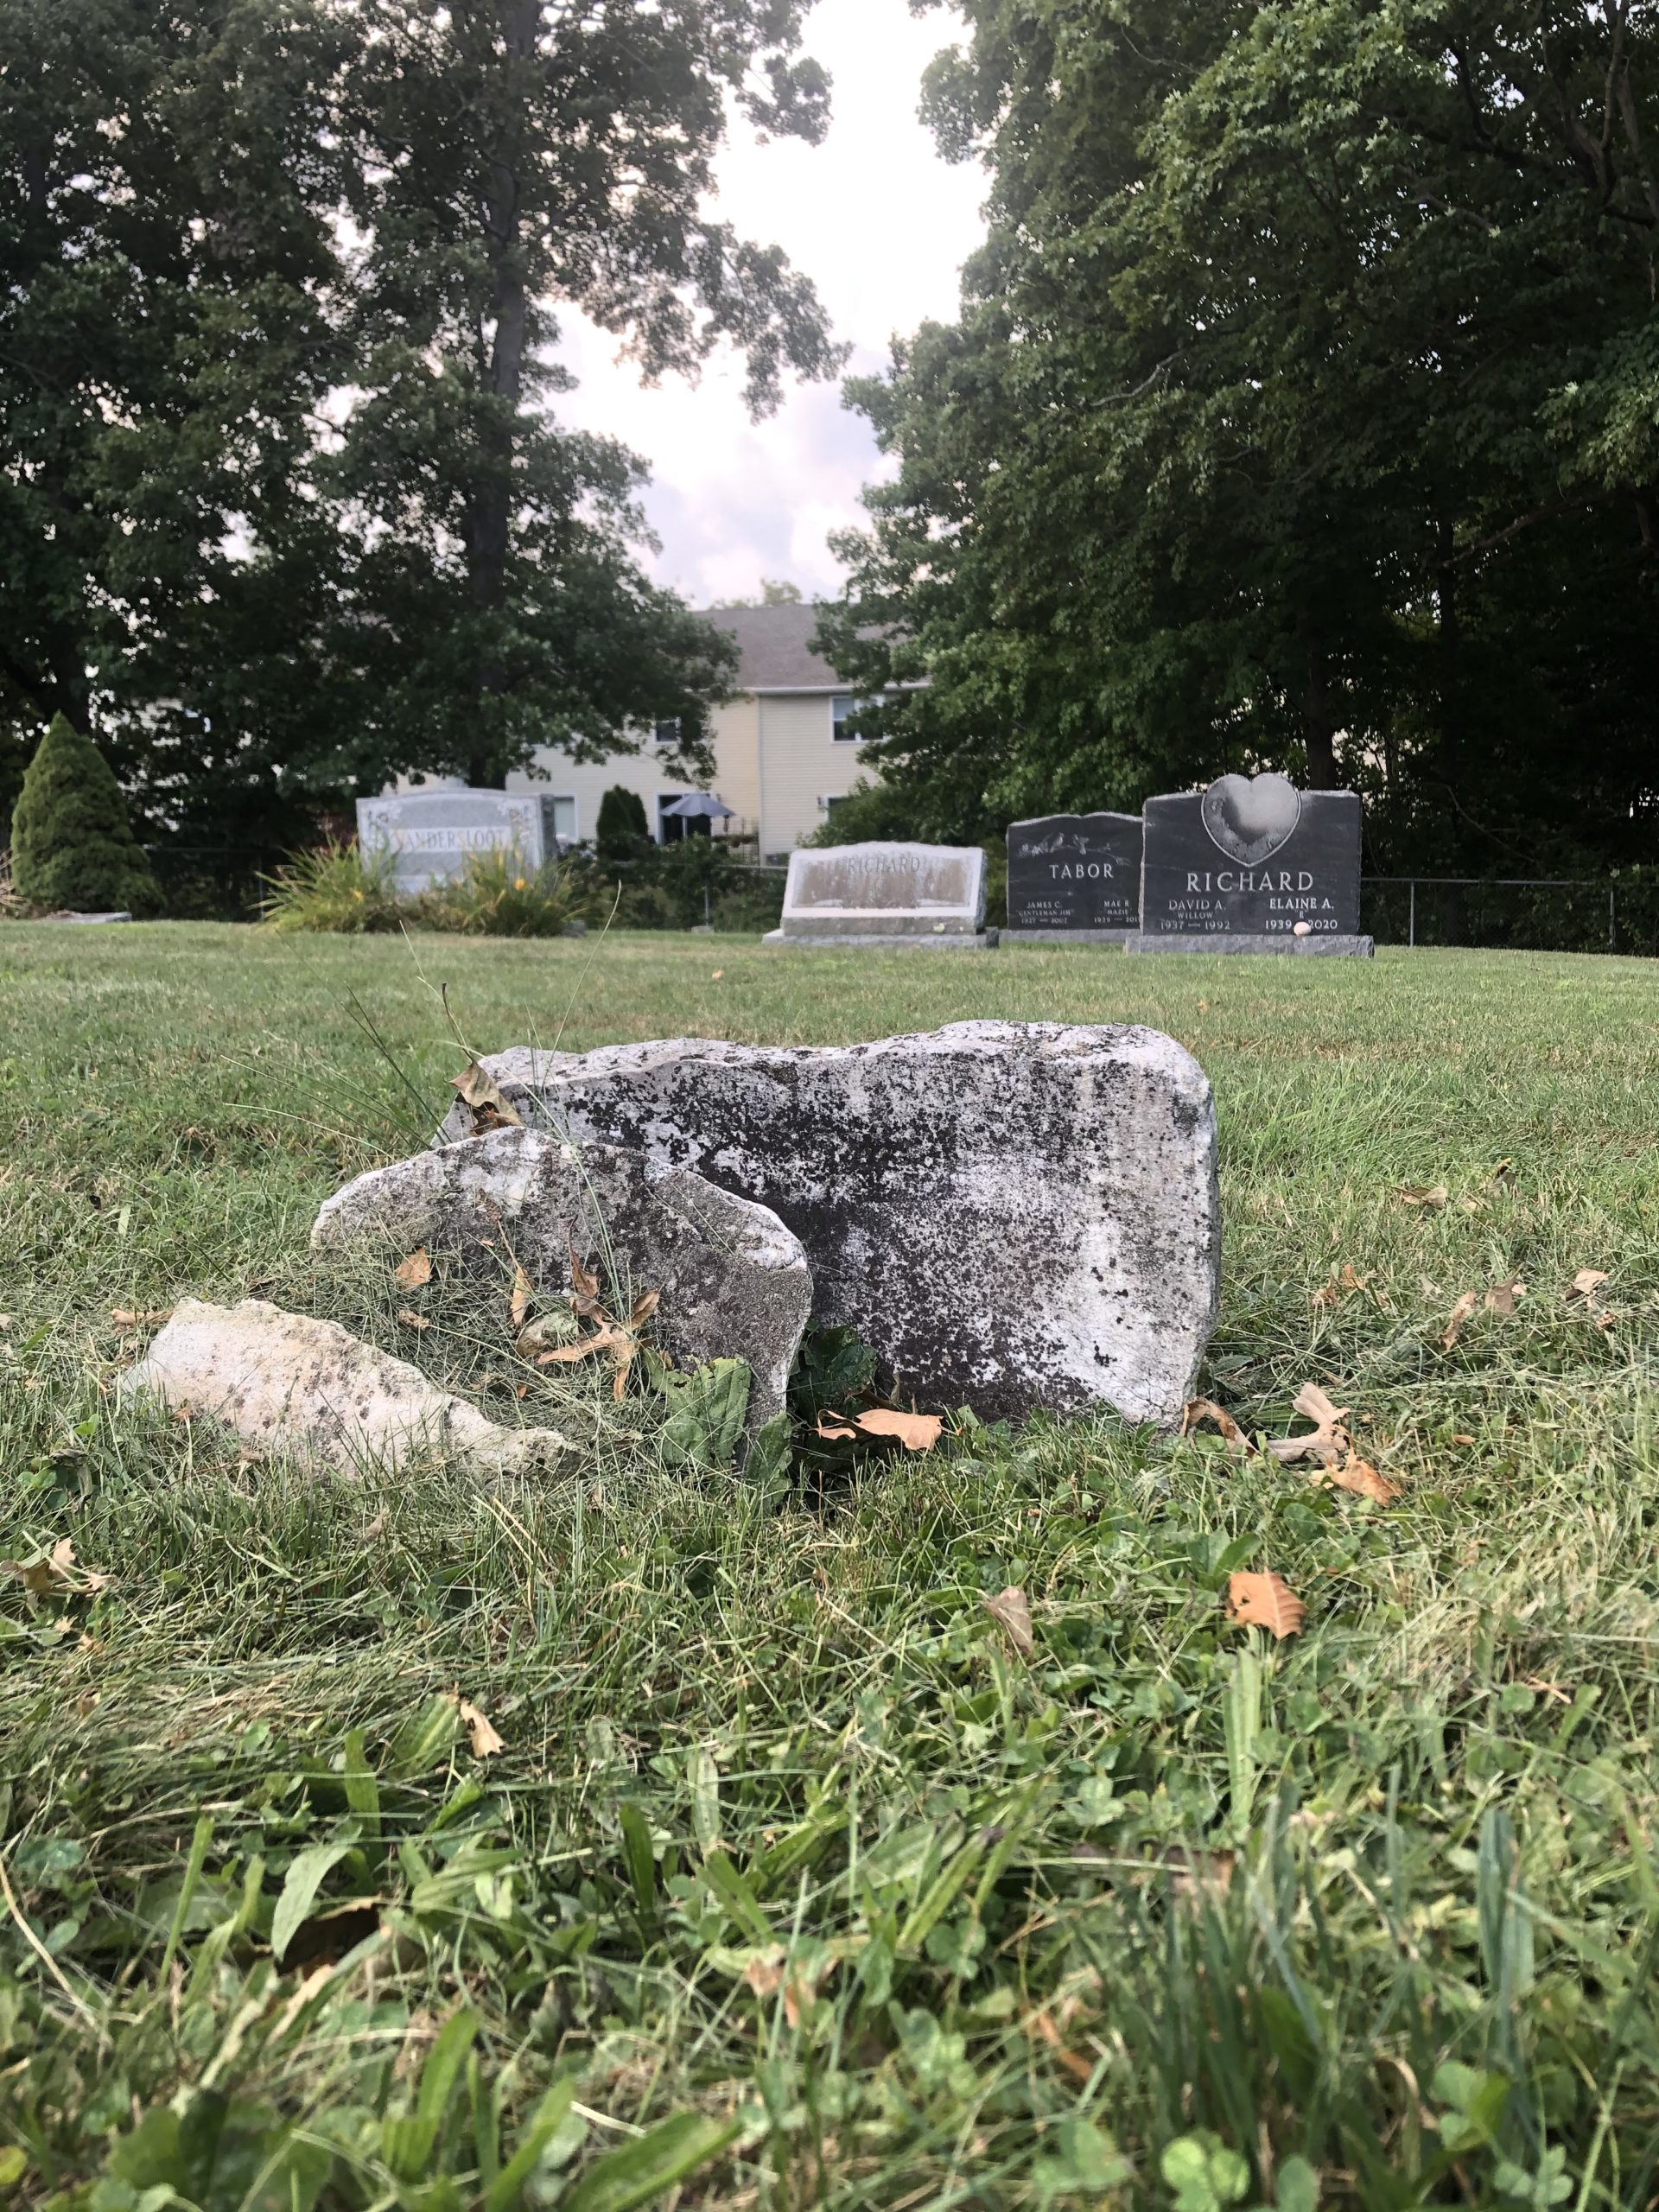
<point x="1012" y="1215"/>
<point x="289" y="1383"/>
<point x="732" y="1280"/>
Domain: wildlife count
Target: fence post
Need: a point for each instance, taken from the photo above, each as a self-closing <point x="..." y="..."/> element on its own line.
<point x="1411" y="932"/>
<point x="1612" y="919"/>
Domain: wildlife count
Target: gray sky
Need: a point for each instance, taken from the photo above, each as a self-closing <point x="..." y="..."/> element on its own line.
<point x="881" y="226"/>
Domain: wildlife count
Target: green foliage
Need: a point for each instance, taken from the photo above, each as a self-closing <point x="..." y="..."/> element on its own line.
<point x="621" y="831"/>
<point x="706" y="1415"/>
<point x="72" y="844"/>
<point x="271" y="617"/>
<point x="497" y="895"/>
<point x="1300" y="412"/>
<point x="784" y="1837"/>
<point x="335" y="887"/>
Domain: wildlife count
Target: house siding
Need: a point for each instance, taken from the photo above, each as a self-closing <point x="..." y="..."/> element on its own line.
<point x="801" y="765"/>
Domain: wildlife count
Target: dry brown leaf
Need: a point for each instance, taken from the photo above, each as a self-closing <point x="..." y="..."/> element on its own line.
<point x="558" y="1327"/>
<point x="718" y="972"/>
<point x="584" y="1287"/>
<point x="414" y="1273"/>
<point x="1327" y="1295"/>
<point x="485" y="1740"/>
<point x="1502" y="1296"/>
<point x="1460" y="1313"/>
<point x="56" y="1572"/>
<point x="1430" y="1196"/>
<point x="1586" y="1282"/>
<point x="1010" y="1610"/>
<point x="1504" y="1172"/>
<point x="1041" y="2027"/>
<point x="522" y="1295"/>
<point x="916" y="1431"/>
<point x="1203" y="1409"/>
<point x="833" y="1426"/>
<point x="1360" y="1477"/>
<point x="1459" y="1437"/>
<point x="610" y="1337"/>
<point x="481" y="1092"/>
<point x="1266" y="1601"/>
<point x="125" y="1318"/>
<point x="412" y="1320"/>
<point x="1350" y="1280"/>
<point x="1328" y="1442"/>
<point x="764" y="1972"/>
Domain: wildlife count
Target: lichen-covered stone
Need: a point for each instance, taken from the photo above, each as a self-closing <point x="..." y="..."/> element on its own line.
<point x="733" y="1281"/>
<point x="1013" y="1215"/>
<point x="287" y="1382"/>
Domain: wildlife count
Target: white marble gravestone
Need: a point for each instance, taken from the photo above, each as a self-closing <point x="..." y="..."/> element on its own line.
<point x="884" y="894"/>
<point x="432" y="832"/>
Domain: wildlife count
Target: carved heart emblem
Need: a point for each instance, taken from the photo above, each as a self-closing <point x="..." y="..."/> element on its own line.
<point x="1251" y="816"/>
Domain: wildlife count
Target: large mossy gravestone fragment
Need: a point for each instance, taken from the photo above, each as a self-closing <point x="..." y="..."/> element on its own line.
<point x="1014" y="1216"/>
<point x="885" y="893"/>
<point x="431" y="834"/>
<point x="72" y="849"/>
<point x="1075" y="876"/>
<point x="730" y="1279"/>
<point x="1252" y="865"/>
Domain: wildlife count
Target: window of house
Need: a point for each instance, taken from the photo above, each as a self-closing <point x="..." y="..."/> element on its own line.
<point x="844" y="710"/>
<point x="831" y="801"/>
<point x="667" y="731"/>
<point x="564" y="820"/>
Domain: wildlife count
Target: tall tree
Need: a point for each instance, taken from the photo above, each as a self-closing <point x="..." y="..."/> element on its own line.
<point x="515" y="155"/>
<point x="1301" y="411"/>
<point x="165" y="263"/>
<point x="284" y="508"/>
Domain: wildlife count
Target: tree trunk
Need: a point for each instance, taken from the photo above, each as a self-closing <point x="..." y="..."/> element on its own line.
<point x="489" y="520"/>
<point x="1318" y="730"/>
<point x="1449" y="642"/>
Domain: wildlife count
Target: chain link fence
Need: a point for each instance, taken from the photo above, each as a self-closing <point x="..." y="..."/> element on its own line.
<point x="1619" y="913"/>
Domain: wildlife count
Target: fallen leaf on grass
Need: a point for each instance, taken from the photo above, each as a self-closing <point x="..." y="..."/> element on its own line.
<point x="620" y="1338"/>
<point x="1010" y="1610"/>
<point x="584" y="1287"/>
<point x="521" y="1297"/>
<point x="1429" y="1196"/>
<point x="55" y="1571"/>
<point x="480" y="1091"/>
<point x="1363" y="1480"/>
<point x="1460" y="1313"/>
<point x="835" y="1429"/>
<point x="412" y="1320"/>
<point x="414" y="1273"/>
<point x="1328" y="1441"/>
<point x="1265" y="1601"/>
<point x="486" y="1742"/>
<point x="125" y="1318"/>
<point x="1203" y="1409"/>
<point x="1041" y="2028"/>
<point x="1502" y="1297"/>
<point x="764" y="1972"/>
<point x="718" y="972"/>
<point x="547" y="1329"/>
<point x="916" y="1431"/>
<point x="1586" y="1282"/>
<point x="1350" y="1280"/>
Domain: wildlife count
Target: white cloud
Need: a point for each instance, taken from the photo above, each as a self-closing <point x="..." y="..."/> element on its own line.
<point x="881" y="226"/>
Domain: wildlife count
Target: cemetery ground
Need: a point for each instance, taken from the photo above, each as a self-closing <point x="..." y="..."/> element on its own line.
<point x="639" y="1832"/>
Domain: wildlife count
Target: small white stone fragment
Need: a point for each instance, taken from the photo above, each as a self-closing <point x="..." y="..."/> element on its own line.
<point x="289" y="1383"/>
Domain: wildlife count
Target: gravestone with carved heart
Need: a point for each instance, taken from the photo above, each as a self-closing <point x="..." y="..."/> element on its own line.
<point x="1251" y="865"/>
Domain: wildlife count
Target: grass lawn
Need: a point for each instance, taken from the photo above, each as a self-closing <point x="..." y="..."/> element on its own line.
<point x="795" y="1881"/>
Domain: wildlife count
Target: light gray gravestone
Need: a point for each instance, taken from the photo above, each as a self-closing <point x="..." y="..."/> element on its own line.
<point x="1075" y="878"/>
<point x="882" y="893"/>
<point x="432" y="832"/>
<point x="732" y="1281"/>
<point x="1252" y="865"/>
<point x="1012" y="1215"/>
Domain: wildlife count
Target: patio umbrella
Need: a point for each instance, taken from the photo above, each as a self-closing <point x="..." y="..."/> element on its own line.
<point x="697" y="806"/>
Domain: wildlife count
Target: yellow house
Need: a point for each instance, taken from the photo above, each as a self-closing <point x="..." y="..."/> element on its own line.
<point x="784" y="751"/>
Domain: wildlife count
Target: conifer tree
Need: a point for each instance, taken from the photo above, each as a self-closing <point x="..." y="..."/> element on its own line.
<point x="72" y="844"/>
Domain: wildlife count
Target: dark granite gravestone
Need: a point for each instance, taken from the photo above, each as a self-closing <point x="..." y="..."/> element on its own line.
<point x="1252" y="865"/>
<point x="1075" y="875"/>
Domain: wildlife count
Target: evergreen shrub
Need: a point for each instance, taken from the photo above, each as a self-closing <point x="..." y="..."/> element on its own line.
<point x="72" y="844"/>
